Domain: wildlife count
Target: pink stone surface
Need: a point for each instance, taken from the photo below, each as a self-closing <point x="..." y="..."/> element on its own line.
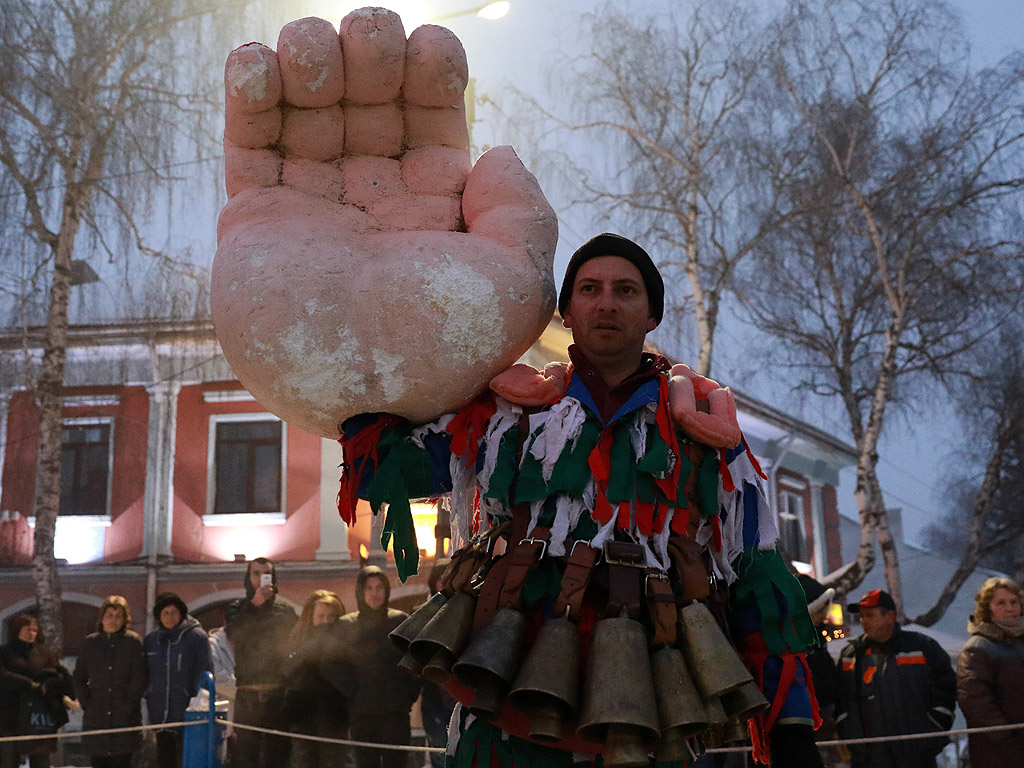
<point x="436" y="126"/>
<point x="373" y="40"/>
<point x="373" y="129"/>
<point x="252" y="78"/>
<point x="252" y="129"/>
<point x="383" y="275"/>
<point x="436" y="72"/>
<point x="312" y="67"/>
<point x="245" y="168"/>
<point x="317" y="134"/>
<point x="368" y="179"/>
<point x="435" y="170"/>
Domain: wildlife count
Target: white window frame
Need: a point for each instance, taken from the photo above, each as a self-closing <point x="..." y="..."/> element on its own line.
<point x="784" y="496"/>
<point x="85" y="421"/>
<point x="242" y="518"/>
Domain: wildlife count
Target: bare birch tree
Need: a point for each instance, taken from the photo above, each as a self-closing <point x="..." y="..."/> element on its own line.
<point x="992" y="403"/>
<point x="98" y="98"/>
<point x="663" y="98"/>
<point x="896" y="166"/>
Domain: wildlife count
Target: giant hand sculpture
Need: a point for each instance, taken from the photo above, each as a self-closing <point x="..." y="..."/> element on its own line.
<point x="362" y="264"/>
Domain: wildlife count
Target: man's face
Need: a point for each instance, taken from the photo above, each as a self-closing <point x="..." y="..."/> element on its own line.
<point x="878" y="623"/>
<point x="608" y="311"/>
<point x="374" y="593"/>
<point x="256" y="570"/>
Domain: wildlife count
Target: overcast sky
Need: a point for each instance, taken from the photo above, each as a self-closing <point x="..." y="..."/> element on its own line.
<point x="521" y="50"/>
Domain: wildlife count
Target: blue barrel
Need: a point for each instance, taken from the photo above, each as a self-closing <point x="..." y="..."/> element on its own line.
<point x="201" y="745"/>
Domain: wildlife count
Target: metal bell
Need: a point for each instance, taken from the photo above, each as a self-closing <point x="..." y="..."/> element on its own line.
<point x="680" y="709"/>
<point x="547" y="685"/>
<point x="716" y="713"/>
<point x="490" y="662"/>
<point x="403" y="635"/>
<point x="745" y="702"/>
<point x="619" y="709"/>
<point x="713" y="662"/>
<point x="735" y="730"/>
<point x="442" y="639"/>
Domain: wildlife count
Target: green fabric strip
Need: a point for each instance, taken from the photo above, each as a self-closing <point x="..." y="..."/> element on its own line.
<point x="500" y="485"/>
<point x="780" y="600"/>
<point x="707" y="483"/>
<point x="621" y="483"/>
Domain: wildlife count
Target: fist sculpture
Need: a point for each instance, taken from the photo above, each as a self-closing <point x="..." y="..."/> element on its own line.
<point x="363" y="264"/>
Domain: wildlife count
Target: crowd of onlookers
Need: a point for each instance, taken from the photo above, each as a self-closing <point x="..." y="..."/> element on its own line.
<point x="329" y="673"/>
<point x="324" y="672"/>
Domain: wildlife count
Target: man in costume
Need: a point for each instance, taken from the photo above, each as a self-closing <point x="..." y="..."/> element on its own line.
<point x="371" y="285"/>
<point x="601" y="454"/>
<point x="893" y="681"/>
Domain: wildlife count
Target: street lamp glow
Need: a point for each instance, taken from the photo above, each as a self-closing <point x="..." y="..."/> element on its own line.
<point x="490" y="11"/>
<point x="494" y="10"/>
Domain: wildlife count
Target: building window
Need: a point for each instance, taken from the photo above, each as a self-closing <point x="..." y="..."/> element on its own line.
<point x="791" y="526"/>
<point x="85" y="468"/>
<point x="247" y="466"/>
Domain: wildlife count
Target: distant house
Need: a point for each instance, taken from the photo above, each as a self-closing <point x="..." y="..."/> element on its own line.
<point x="173" y="475"/>
<point x="924" y="574"/>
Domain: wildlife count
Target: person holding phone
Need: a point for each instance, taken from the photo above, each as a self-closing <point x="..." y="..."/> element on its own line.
<point x="258" y="627"/>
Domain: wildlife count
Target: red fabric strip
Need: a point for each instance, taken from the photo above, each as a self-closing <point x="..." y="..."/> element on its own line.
<point x="362" y="445"/>
<point x="469" y="425"/>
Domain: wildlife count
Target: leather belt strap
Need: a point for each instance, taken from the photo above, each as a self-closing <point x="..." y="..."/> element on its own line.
<point x="688" y="560"/>
<point x="525" y="556"/>
<point x="661" y="605"/>
<point x="627" y="563"/>
<point x="503" y="584"/>
<point x="578" y="568"/>
<point x="468" y="560"/>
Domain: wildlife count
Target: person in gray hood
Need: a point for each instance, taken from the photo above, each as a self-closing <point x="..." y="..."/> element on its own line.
<point x="178" y="653"/>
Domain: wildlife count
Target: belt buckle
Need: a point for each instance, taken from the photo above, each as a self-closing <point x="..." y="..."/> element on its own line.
<point x="625" y="553"/>
<point x="543" y="545"/>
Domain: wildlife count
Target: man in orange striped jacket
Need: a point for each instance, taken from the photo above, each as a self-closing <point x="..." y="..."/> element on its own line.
<point x="893" y="681"/>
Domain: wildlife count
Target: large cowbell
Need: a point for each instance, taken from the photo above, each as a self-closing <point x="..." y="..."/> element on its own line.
<point x="547" y="686"/>
<point x="403" y="635"/>
<point x="715" y="665"/>
<point x="490" y="662"/>
<point x="443" y="638"/>
<point x="619" y="708"/>
<point x="680" y="709"/>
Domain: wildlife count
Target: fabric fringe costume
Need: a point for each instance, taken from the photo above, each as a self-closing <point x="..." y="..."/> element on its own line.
<point x="626" y="521"/>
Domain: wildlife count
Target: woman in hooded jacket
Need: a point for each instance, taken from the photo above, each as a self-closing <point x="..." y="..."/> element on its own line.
<point x="990" y="674"/>
<point x="110" y="677"/>
<point x="29" y="670"/>
<point x="178" y="653"/>
<point x="312" y="705"/>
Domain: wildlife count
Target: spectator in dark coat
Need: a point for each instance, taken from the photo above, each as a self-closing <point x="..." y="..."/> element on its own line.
<point x="990" y="674"/>
<point x="893" y="681"/>
<point x="384" y="694"/>
<point x="29" y="669"/>
<point x="110" y="677"/>
<point x="178" y="654"/>
<point x="258" y="627"/>
<point x="312" y="705"/>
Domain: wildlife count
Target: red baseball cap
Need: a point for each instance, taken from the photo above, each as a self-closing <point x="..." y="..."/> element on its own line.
<point x="876" y="598"/>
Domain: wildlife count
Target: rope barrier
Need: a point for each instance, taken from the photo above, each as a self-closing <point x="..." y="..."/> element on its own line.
<point x="343" y="742"/>
<point x="100" y="732"/>
<point x="438" y="750"/>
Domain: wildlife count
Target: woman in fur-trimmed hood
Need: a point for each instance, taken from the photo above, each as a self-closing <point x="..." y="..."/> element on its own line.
<point x="990" y="674"/>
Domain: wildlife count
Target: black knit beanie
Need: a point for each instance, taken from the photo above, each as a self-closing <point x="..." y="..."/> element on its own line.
<point x="169" y="598"/>
<point x="609" y="244"/>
